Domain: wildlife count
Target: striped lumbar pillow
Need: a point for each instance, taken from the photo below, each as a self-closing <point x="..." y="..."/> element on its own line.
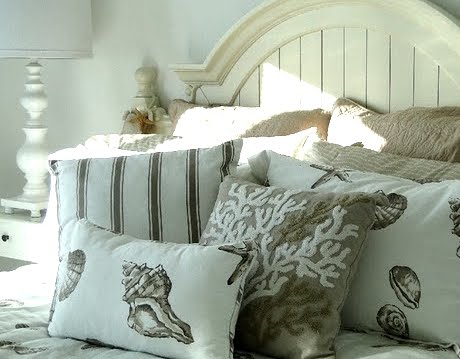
<point x="163" y="196"/>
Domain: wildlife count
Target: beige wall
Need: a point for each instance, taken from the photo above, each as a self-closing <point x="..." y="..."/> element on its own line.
<point x="88" y="96"/>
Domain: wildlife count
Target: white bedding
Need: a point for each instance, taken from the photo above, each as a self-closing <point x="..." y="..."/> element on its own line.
<point x="25" y="297"/>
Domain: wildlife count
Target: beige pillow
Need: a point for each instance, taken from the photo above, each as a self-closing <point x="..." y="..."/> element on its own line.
<point x="421" y="132"/>
<point x="361" y="159"/>
<point x="227" y="122"/>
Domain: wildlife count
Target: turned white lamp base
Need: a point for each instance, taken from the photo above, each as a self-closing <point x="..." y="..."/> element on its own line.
<point x="35" y="208"/>
<point x="32" y="157"/>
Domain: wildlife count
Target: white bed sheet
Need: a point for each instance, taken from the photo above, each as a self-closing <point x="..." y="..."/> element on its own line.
<point x="25" y="297"/>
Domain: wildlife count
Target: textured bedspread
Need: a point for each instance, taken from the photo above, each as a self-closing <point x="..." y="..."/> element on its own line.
<point x="25" y="296"/>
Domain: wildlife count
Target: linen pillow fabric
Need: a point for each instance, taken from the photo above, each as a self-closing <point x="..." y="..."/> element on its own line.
<point x="289" y="145"/>
<point x="362" y="159"/>
<point x="309" y="249"/>
<point x="407" y="284"/>
<point x="227" y="122"/>
<point x="143" y="295"/>
<point x="131" y="142"/>
<point x="421" y="132"/>
<point x="164" y="196"/>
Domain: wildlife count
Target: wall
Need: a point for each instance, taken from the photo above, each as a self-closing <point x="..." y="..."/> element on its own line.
<point x="88" y="96"/>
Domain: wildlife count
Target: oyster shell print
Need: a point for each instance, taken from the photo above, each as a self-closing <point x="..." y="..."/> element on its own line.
<point x="454" y="204"/>
<point x="246" y="259"/>
<point x="406" y="285"/>
<point x="387" y="215"/>
<point x="75" y="266"/>
<point x="393" y="321"/>
<point x="150" y="314"/>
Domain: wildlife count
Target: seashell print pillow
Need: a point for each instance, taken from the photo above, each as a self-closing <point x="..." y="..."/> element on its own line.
<point x="407" y="284"/>
<point x="143" y="296"/>
<point x="309" y="248"/>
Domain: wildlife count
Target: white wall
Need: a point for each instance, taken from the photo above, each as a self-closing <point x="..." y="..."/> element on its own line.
<point x="88" y="96"/>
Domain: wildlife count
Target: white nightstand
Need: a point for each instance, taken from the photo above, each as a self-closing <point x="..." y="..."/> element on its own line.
<point x="21" y="238"/>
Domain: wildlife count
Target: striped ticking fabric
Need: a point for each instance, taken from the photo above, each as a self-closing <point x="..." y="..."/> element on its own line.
<point x="163" y="196"/>
<point x="362" y="159"/>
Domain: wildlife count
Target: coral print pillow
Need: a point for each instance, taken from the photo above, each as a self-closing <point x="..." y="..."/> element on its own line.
<point x="407" y="285"/>
<point x="172" y="300"/>
<point x="309" y="248"/>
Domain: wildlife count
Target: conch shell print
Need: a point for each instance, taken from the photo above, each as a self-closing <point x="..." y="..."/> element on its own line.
<point x="150" y="314"/>
<point x="75" y="266"/>
<point x="406" y="285"/>
<point x="455" y="215"/>
<point x="246" y="255"/>
<point x="393" y="321"/>
<point x="387" y="215"/>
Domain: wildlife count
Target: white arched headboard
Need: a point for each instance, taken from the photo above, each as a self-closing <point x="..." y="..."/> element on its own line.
<point x="387" y="55"/>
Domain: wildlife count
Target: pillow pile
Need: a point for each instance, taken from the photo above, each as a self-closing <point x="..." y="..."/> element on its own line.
<point x="280" y="259"/>
<point x="305" y="241"/>
<point x="407" y="284"/>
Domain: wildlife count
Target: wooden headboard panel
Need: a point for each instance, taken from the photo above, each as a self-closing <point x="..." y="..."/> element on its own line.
<point x="290" y="54"/>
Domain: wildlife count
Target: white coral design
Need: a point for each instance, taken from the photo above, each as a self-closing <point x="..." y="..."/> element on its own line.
<point x="320" y="255"/>
<point x="228" y="217"/>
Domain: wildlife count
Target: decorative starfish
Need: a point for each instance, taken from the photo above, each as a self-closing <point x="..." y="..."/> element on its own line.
<point x="330" y="173"/>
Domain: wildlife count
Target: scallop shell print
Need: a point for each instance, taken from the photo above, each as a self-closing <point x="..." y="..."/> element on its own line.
<point x="75" y="266"/>
<point x="387" y="215"/>
<point x="393" y="321"/>
<point x="150" y="314"/>
<point x="406" y="285"/>
<point x="454" y="204"/>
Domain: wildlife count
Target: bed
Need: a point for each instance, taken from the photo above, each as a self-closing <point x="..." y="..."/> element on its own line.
<point x="332" y="57"/>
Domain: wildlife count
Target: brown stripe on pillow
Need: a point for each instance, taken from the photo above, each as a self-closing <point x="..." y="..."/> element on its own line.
<point x="154" y="195"/>
<point x="228" y="154"/>
<point x="192" y="197"/>
<point x="55" y="167"/>
<point x="116" y="194"/>
<point x="82" y="186"/>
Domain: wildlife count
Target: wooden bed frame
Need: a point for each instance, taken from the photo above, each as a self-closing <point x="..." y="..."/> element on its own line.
<point x="290" y="54"/>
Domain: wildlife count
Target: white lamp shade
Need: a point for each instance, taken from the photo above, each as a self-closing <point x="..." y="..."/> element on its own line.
<point x="45" y="28"/>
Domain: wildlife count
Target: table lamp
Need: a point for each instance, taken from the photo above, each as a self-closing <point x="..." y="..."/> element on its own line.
<point x="40" y="29"/>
